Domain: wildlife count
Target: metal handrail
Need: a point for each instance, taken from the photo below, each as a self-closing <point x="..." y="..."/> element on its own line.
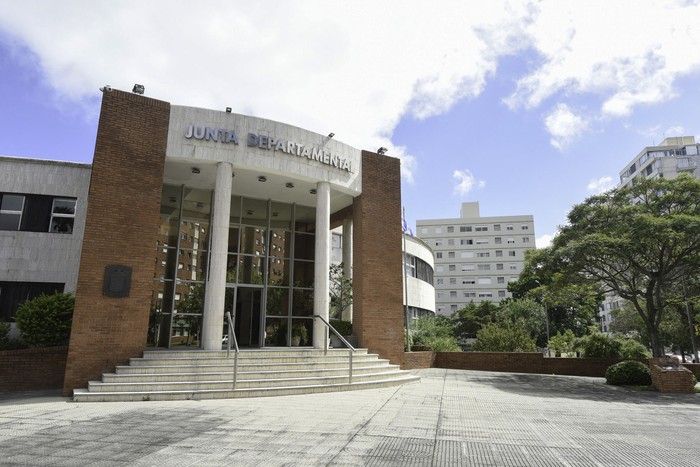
<point x="325" y="343"/>
<point x="232" y="337"/>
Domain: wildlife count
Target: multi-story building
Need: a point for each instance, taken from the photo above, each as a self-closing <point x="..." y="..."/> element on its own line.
<point x="672" y="157"/>
<point x="476" y="257"/>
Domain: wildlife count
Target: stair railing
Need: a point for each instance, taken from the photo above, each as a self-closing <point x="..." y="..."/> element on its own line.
<point x="232" y="337"/>
<point x="351" y="349"/>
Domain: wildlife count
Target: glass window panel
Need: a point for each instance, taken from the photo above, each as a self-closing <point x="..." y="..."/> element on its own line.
<point x="254" y="212"/>
<point x="9" y="221"/>
<point x="235" y="215"/>
<point x="280" y="243"/>
<point x="251" y="269"/>
<point x="253" y="241"/>
<point x="276" y="332"/>
<point x="304" y="219"/>
<point x="233" y="234"/>
<point x="12" y="203"/>
<point x="277" y="301"/>
<point x="232" y="269"/>
<point x="302" y="332"/>
<point x="191" y="298"/>
<point x="304" y="273"/>
<point x="196" y="204"/>
<point x="278" y="271"/>
<point x="304" y="246"/>
<point x="62" y="225"/>
<point x="63" y="206"/>
<point x="303" y="302"/>
<point x="281" y="216"/>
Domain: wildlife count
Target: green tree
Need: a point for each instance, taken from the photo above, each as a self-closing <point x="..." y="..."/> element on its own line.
<point x="635" y="241"/>
<point x="469" y="320"/>
<point x="562" y="343"/>
<point x="505" y="337"/>
<point x="340" y="291"/>
<point x="598" y="344"/>
<point x="45" y="321"/>
<point x="436" y="333"/>
<point x="528" y="313"/>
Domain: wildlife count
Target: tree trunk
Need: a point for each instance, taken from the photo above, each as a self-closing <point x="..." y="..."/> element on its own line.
<point x="657" y="347"/>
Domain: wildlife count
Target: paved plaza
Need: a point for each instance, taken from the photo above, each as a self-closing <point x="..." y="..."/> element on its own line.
<point x="451" y="417"/>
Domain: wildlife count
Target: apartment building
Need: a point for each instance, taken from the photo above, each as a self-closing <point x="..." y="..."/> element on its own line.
<point x="476" y="257"/>
<point x="674" y="156"/>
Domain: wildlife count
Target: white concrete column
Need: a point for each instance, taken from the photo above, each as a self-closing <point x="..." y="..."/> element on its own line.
<point x="213" y="320"/>
<point x="347" y="260"/>
<point x="322" y="260"/>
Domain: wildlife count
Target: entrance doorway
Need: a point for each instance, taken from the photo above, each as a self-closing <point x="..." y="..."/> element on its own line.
<point x="245" y="305"/>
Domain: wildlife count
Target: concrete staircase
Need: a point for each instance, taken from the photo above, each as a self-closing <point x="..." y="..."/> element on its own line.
<point x="201" y="374"/>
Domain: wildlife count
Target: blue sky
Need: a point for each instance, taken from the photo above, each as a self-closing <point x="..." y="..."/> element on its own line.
<point x="526" y="107"/>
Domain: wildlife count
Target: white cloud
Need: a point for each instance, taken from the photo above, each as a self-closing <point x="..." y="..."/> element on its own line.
<point x="564" y="126"/>
<point x="600" y="185"/>
<point x="544" y="241"/>
<point x="324" y="66"/>
<point x="466" y="182"/>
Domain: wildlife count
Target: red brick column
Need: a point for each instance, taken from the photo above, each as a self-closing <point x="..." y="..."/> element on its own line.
<point x="378" y="318"/>
<point x="121" y="228"/>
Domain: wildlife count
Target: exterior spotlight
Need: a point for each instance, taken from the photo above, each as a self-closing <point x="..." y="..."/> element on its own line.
<point x="228" y="110"/>
<point x="289" y="185"/>
<point x="262" y="179"/>
<point x="138" y="89"/>
<point x="275" y="214"/>
<point x="330" y="135"/>
<point x="195" y="170"/>
<point x="106" y="88"/>
<point x="173" y="199"/>
<point x="312" y="191"/>
<point x="250" y="212"/>
<point x="381" y="150"/>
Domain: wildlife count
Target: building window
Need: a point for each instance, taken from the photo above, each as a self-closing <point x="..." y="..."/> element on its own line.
<point x="453" y="294"/>
<point x="524" y="227"/>
<point x="450" y="229"/>
<point x="453" y="307"/>
<point x="11" y="207"/>
<point x="453" y="281"/>
<point x="440" y="295"/>
<point x="513" y="266"/>
<point x="466" y="241"/>
<point x="499" y="253"/>
<point x="482" y="241"/>
<point x="467" y="267"/>
<point x="497" y="227"/>
<point x="485" y="254"/>
<point x="451" y="267"/>
<point x="466" y="254"/>
<point x="485" y="294"/>
<point x="438" y="242"/>
<point x="469" y="294"/>
<point x="510" y="240"/>
<point x="465" y="228"/>
<point x="484" y="280"/>
<point x="511" y="253"/>
<point x="501" y="280"/>
<point x="438" y="229"/>
<point x="509" y="227"/>
<point x="438" y="255"/>
<point x="440" y="281"/>
<point x="423" y="230"/>
<point x="439" y="268"/>
<point x="499" y="267"/>
<point x="484" y="267"/>
<point x="450" y="241"/>
<point x="450" y="254"/>
<point x="468" y="282"/>
<point x="497" y="240"/>
<point x="481" y="228"/>
<point x="526" y="239"/>
<point x="501" y="293"/>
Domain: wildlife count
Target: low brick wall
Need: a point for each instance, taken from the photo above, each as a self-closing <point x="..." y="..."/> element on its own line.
<point x="679" y="379"/>
<point x="27" y="369"/>
<point x="523" y="362"/>
<point x="694" y="368"/>
<point x="416" y="360"/>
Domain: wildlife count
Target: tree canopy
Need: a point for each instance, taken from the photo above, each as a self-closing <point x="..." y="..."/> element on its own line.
<point x="639" y="242"/>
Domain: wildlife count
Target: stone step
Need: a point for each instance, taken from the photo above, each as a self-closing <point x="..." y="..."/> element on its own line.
<point x="96" y="386"/>
<point x="83" y="395"/>
<point x="244" y="359"/>
<point x="168" y="353"/>
<point x="242" y="375"/>
<point x="197" y="367"/>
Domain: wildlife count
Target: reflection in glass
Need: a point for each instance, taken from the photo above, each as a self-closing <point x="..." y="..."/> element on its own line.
<point x="280" y="243"/>
<point x="276" y="332"/>
<point x="278" y="271"/>
<point x="253" y="241"/>
<point x="303" y="273"/>
<point x="251" y="269"/>
<point x="303" y="302"/>
<point x="277" y="301"/>
<point x="254" y="212"/>
<point x="302" y="332"/>
<point x="304" y="246"/>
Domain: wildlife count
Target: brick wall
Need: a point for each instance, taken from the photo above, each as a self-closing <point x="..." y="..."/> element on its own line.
<point x="416" y="360"/>
<point x="522" y="362"/>
<point x="378" y="319"/>
<point x="40" y="368"/>
<point x="121" y="228"/>
<point x="677" y="380"/>
<point x="694" y="368"/>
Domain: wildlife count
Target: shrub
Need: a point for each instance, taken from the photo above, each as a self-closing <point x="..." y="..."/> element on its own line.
<point x="562" y="343"/>
<point x="436" y="334"/>
<point x="598" y="345"/>
<point x="504" y="337"/>
<point x="628" y="372"/>
<point x="630" y="349"/>
<point x="46" y="320"/>
<point x="343" y="327"/>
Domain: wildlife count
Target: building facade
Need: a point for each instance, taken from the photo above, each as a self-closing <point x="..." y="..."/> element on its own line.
<point x="672" y="157"/>
<point x="188" y="214"/>
<point x="419" y="292"/>
<point x="476" y="257"/>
